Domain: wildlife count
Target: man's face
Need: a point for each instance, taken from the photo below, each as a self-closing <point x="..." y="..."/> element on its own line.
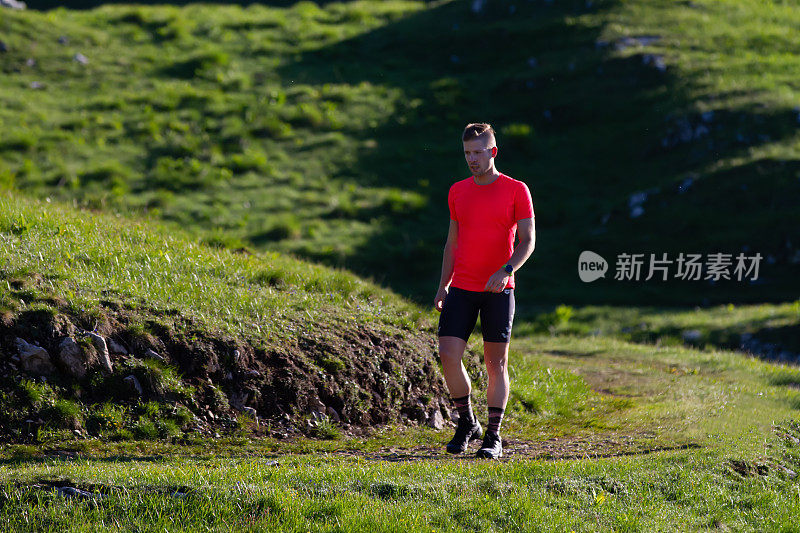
<point x="479" y="154"/>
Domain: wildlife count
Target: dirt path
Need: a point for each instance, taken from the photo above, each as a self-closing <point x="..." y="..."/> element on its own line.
<point x="550" y="449"/>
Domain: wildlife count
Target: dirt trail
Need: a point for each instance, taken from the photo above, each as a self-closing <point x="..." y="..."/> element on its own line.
<point x="551" y="449"/>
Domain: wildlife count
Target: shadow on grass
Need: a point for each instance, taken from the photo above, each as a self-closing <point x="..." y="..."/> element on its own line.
<point x="584" y="127"/>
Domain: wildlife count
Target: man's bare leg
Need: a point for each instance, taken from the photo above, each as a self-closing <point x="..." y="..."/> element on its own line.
<point x="495" y="355"/>
<point x="451" y="351"/>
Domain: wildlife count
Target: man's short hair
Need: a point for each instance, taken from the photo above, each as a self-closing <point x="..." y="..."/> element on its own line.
<point x="477" y="130"/>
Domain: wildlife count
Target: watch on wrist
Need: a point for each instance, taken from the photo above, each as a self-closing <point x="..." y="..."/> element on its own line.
<point x="509" y="269"/>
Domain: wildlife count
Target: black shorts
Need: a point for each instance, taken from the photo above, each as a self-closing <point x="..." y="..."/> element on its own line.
<point x="460" y="313"/>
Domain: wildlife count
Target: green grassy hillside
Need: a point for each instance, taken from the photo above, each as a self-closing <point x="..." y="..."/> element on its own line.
<point x="333" y="132"/>
<point x="191" y="335"/>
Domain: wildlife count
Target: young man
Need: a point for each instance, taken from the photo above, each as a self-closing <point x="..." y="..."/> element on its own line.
<point x="487" y="211"/>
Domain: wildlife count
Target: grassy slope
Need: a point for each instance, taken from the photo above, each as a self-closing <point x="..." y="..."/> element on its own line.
<point x="303" y="129"/>
<point x="302" y="331"/>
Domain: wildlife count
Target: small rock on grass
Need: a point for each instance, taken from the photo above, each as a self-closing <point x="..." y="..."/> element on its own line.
<point x="72" y="492"/>
<point x="436" y="420"/>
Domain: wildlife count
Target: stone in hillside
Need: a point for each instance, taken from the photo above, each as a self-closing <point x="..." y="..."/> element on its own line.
<point x="3" y="47"/>
<point x="115" y="347"/>
<point x="102" y="351"/>
<point x="333" y="415"/>
<point x="63" y="40"/>
<point x="34" y="359"/>
<point x="13" y="4"/>
<point x="133" y="385"/>
<point x="76" y="361"/>
<point x="152" y="354"/>
<point x="80" y="58"/>
<point x="436" y="420"/>
<point x="478" y="5"/>
<point x="692" y="335"/>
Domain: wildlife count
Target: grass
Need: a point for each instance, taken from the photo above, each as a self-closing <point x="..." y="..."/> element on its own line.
<point x="156" y="289"/>
<point x="301" y="129"/>
<point x="251" y="132"/>
<point x="736" y="412"/>
<point x="318" y="494"/>
<point x="84" y="257"/>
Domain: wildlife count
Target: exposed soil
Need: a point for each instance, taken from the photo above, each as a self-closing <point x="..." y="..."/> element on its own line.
<point x="557" y="448"/>
<point x="358" y="376"/>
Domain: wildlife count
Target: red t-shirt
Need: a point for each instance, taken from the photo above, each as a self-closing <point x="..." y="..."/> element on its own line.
<point x="487" y="218"/>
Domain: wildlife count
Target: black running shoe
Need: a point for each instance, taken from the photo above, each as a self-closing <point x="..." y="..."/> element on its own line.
<point x="492" y="447"/>
<point x="467" y="430"/>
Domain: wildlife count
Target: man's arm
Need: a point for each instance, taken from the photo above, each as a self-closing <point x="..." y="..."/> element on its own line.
<point x="526" y="232"/>
<point x="448" y="260"/>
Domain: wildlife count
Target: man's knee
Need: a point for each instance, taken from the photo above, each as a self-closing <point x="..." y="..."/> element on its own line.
<point x="451" y="349"/>
<point x="495" y="355"/>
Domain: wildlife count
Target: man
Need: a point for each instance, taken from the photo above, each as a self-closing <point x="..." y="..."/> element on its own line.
<point x="487" y="210"/>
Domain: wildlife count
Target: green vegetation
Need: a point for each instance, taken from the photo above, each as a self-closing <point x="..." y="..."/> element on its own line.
<point x="230" y="327"/>
<point x="332" y="131"/>
<point x="214" y="145"/>
<point x="654" y="439"/>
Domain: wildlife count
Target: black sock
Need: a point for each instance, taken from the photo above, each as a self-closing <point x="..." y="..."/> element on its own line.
<point x="495" y="417"/>
<point x="464" y="407"/>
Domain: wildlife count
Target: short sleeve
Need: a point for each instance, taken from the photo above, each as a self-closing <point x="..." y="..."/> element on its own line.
<point x="523" y="204"/>
<point x="452" y="205"/>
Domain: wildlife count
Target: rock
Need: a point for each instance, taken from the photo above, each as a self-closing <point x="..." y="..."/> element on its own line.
<point x="788" y="472"/>
<point x="252" y="413"/>
<point x="36" y="85"/>
<point x="34" y="359"/>
<point x="13" y="4"/>
<point x="76" y="361"/>
<point x="134" y="387"/>
<point x="333" y="414"/>
<point x="102" y="351"/>
<point x="63" y="40"/>
<point x="80" y="58"/>
<point x="30" y="62"/>
<point x="115" y="347"/>
<point x="684" y="185"/>
<point x="3" y="47"/>
<point x="436" y="420"/>
<point x="637" y="198"/>
<point x="154" y="355"/>
<point x="655" y="60"/>
<point x="692" y="335"/>
<point x="72" y="492"/>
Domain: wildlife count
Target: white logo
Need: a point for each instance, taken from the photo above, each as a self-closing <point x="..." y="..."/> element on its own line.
<point x="591" y="266"/>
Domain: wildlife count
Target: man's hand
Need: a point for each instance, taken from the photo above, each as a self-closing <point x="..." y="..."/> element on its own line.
<point x="438" y="302"/>
<point x="498" y="281"/>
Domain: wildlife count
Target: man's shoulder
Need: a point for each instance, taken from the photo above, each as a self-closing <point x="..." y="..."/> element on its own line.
<point x="516" y="183"/>
<point x="461" y="183"/>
